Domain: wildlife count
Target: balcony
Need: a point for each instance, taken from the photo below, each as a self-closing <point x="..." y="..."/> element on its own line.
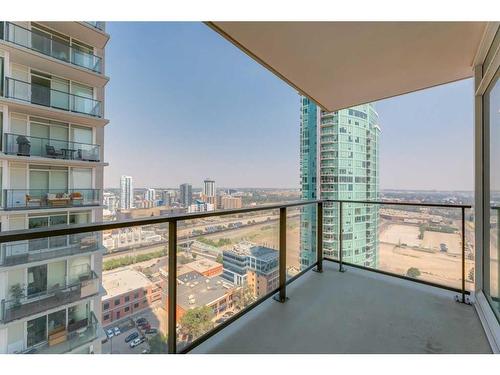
<point x="28" y="304"/>
<point x="21" y="145"/>
<point x="47" y="97"/>
<point x="68" y="339"/>
<point x="42" y="249"/>
<point x="396" y="297"/>
<point x="49" y="46"/>
<point x="29" y="199"/>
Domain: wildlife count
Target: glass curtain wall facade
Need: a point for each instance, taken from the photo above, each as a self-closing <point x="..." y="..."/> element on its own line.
<point x="339" y="159"/>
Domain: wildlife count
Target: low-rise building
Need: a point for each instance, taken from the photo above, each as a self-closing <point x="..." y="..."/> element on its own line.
<point x="127" y="291"/>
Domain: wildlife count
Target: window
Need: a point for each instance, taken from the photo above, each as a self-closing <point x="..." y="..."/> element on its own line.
<point x="105" y="306"/>
<point x="117" y="302"/>
<point x="117" y="315"/>
<point x="127" y="309"/>
<point x="127" y="298"/>
<point x="106" y="317"/>
<point x="136" y="305"/>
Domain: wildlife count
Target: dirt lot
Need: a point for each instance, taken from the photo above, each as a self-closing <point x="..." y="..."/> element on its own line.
<point x="434" y="266"/>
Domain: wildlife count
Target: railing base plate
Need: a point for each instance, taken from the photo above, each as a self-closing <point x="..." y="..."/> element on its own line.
<point x="465" y="301"/>
<point x="277" y="298"/>
<point x="317" y="270"/>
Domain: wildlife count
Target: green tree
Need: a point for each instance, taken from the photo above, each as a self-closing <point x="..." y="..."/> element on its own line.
<point x="158" y="344"/>
<point x="413" y="272"/>
<point x="197" y="321"/>
<point x="219" y="259"/>
<point x="244" y="297"/>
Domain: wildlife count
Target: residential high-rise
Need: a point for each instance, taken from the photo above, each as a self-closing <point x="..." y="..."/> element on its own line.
<point x="209" y="188"/>
<point x="186" y="194"/>
<point x="339" y="160"/>
<point x="126" y="193"/>
<point x="52" y="125"/>
<point x="150" y="194"/>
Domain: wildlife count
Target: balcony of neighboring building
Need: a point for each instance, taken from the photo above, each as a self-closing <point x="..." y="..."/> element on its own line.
<point x="43" y="249"/>
<point x="39" y="296"/>
<point x="40" y="93"/>
<point x="46" y="50"/>
<point x="68" y="339"/>
<point x="49" y="148"/>
<point x="33" y="199"/>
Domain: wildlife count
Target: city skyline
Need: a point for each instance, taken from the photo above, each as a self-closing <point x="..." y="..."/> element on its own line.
<point x="258" y="143"/>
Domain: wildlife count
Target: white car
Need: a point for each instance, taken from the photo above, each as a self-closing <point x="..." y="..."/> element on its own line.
<point x="117" y="331"/>
<point x="110" y="333"/>
<point x="136" y="342"/>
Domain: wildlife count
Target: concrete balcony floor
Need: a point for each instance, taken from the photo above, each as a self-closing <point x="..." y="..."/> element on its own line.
<point x="354" y="312"/>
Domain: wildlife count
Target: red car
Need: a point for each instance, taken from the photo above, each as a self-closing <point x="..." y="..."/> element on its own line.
<point x="145" y="326"/>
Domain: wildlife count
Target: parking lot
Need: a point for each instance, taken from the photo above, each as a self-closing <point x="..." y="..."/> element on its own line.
<point x="117" y="344"/>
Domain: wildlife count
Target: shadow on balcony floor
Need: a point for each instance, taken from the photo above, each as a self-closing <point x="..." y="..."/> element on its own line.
<point x="355" y="312"/>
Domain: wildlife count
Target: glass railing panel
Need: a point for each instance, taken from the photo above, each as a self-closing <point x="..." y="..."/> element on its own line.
<point x="224" y="264"/>
<point x="97" y="24"/>
<point x="301" y="232"/>
<point x="45" y="96"/>
<point x="137" y="256"/>
<point x="19" y="199"/>
<point x="422" y="243"/>
<point x="51" y="46"/>
<point x="70" y="338"/>
<point x="24" y="301"/>
<point x="21" y="145"/>
<point x="40" y="249"/>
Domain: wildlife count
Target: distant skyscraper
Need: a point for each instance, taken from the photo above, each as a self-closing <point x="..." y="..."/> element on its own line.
<point x="166" y="198"/>
<point x="209" y="188"/>
<point x="186" y="192"/>
<point x="150" y="195"/>
<point x="339" y="160"/>
<point x="127" y="193"/>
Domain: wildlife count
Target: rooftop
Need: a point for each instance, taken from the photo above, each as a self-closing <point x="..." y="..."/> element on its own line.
<point x="203" y="265"/>
<point x="201" y="292"/>
<point x="122" y="281"/>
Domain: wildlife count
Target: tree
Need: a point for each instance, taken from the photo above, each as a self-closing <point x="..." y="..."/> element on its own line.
<point x="471" y="275"/>
<point x="158" y="344"/>
<point x="219" y="259"/>
<point x="413" y="272"/>
<point x="197" y="321"/>
<point x="244" y="297"/>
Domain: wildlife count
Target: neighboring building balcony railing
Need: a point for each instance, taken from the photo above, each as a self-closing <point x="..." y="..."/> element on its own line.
<point x="24" y="302"/>
<point x="41" y="249"/>
<point x="100" y="25"/>
<point x="420" y="245"/>
<point x="22" y="145"/>
<point x="49" y="46"/>
<point x="28" y="199"/>
<point x="45" y="96"/>
<point x="66" y="339"/>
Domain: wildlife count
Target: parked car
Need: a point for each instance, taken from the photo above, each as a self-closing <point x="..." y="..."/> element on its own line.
<point x="140" y="321"/>
<point x="145" y="326"/>
<point x="152" y="331"/>
<point x="117" y="331"/>
<point x="110" y="333"/>
<point x="132" y="336"/>
<point x="136" y="342"/>
<point x="146" y="351"/>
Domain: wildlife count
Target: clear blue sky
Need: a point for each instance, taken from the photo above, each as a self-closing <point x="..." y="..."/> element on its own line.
<point x="185" y="104"/>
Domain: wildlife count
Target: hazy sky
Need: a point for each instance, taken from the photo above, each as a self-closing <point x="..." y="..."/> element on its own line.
<point x="184" y="104"/>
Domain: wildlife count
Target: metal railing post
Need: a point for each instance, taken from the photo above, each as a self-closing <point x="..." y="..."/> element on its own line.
<point x="172" y="287"/>
<point x="463" y="298"/>
<point x="282" y="257"/>
<point x="341" y="235"/>
<point x="319" y="237"/>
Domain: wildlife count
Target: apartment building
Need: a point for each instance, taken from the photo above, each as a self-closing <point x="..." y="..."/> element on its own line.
<point x="52" y="79"/>
<point x="339" y="160"/>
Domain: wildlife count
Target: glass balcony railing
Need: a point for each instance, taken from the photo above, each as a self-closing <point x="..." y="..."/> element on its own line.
<point x="51" y="46"/>
<point x="26" y="303"/>
<point x="41" y="249"/>
<point x="100" y="25"/>
<point x="20" y="199"/>
<point x="213" y="267"/>
<point x="47" y="97"/>
<point x="69" y="338"/>
<point x="21" y="145"/>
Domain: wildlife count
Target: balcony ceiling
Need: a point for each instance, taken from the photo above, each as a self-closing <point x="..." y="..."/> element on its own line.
<point x="341" y="64"/>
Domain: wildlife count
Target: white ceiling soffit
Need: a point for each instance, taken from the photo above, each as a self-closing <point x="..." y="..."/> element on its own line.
<point x="342" y="64"/>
